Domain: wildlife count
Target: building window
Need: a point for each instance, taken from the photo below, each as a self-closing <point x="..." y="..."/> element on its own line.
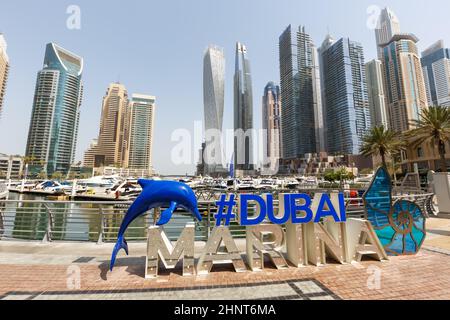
<point x="404" y="155"/>
<point x="419" y="152"/>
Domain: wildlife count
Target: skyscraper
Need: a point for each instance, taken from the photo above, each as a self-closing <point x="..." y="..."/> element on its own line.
<point x="243" y="112"/>
<point x="4" y="69"/>
<point x="403" y="80"/>
<point x="301" y="117"/>
<point x="114" y="122"/>
<point x="388" y="25"/>
<point x="271" y="121"/>
<point x="436" y="68"/>
<point x="213" y="99"/>
<point x="112" y="138"/>
<point x="319" y="122"/>
<point x="142" y="123"/>
<point x="378" y="111"/>
<point x="55" y="116"/>
<point x="345" y="93"/>
<point x="327" y="43"/>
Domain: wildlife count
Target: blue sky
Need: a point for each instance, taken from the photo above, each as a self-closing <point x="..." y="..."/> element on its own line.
<point x="156" y="48"/>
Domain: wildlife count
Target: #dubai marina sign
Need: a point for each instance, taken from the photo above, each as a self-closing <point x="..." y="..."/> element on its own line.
<point x="301" y="229"/>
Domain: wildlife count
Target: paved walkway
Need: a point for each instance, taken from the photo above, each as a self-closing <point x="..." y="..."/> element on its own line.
<point x="80" y="271"/>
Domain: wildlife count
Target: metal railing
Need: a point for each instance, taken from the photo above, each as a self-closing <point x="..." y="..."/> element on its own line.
<point x="100" y="221"/>
<point x="208" y="194"/>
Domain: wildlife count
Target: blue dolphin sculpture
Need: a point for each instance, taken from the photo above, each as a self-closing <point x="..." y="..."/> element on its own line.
<point x="156" y="194"/>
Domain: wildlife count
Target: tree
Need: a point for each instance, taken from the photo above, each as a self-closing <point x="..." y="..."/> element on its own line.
<point x="340" y="175"/>
<point x="28" y="160"/>
<point x="381" y="142"/>
<point x="85" y="175"/>
<point x="433" y="126"/>
<point x="42" y="175"/>
<point x="330" y="176"/>
<point x="343" y="175"/>
<point x="57" y="175"/>
<point x="350" y="176"/>
<point x="71" y="175"/>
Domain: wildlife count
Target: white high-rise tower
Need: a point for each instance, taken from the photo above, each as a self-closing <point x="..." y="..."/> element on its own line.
<point x="388" y="26"/>
<point x="213" y="99"/>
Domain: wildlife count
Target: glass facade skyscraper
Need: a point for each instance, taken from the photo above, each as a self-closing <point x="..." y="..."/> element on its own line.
<point x="301" y="117"/>
<point x="55" y="116"/>
<point x="404" y="81"/>
<point x="4" y="69"/>
<point x="345" y="94"/>
<point x="142" y="124"/>
<point x="243" y="112"/>
<point x="436" y="68"/>
<point x="214" y="100"/>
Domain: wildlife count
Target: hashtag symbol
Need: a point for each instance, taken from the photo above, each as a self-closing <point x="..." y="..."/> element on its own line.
<point x="225" y="205"/>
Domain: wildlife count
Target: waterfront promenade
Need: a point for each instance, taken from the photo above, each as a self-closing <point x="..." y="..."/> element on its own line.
<point x="33" y="270"/>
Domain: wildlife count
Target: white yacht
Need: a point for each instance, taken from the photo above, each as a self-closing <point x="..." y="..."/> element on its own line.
<point x="311" y="181"/>
<point x="246" y="184"/>
<point x="291" y="183"/>
<point x="125" y="188"/>
<point x="267" y="184"/>
<point x="99" y="184"/>
<point x="52" y="186"/>
<point x="207" y="181"/>
<point x="219" y="184"/>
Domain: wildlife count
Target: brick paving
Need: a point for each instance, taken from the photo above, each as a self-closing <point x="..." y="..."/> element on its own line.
<point x="23" y="276"/>
<point x="286" y="290"/>
<point x="425" y="276"/>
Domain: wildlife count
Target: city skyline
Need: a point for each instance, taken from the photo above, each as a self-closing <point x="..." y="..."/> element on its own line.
<point x="18" y="103"/>
<point x="126" y="131"/>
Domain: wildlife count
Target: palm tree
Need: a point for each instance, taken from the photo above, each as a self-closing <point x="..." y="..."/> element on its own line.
<point x="383" y="142"/>
<point x="28" y="160"/>
<point x="433" y="126"/>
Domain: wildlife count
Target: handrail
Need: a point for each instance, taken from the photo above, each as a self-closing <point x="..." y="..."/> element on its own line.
<point x="100" y="221"/>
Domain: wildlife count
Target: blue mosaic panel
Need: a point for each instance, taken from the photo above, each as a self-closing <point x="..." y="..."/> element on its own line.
<point x="400" y="226"/>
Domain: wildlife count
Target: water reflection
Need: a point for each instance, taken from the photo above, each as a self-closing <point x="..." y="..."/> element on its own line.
<point x="80" y="221"/>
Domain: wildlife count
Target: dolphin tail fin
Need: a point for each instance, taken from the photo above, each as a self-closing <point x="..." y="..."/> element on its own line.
<point x="121" y="244"/>
<point x="197" y="214"/>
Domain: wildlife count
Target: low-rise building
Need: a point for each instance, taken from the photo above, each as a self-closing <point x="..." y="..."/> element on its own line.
<point x="11" y="166"/>
<point x="423" y="157"/>
<point x="318" y="164"/>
